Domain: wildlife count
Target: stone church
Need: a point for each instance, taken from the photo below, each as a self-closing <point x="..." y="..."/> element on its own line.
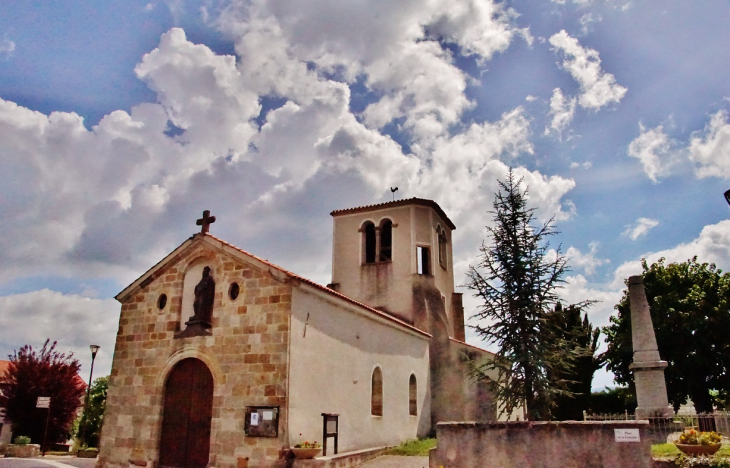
<point x="224" y="359"/>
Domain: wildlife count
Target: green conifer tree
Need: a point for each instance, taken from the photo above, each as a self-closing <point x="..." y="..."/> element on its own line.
<point x="517" y="279"/>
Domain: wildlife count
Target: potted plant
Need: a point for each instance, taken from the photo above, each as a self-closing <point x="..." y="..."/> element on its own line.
<point x="306" y="449"/>
<point x="87" y="452"/>
<point x="693" y="442"/>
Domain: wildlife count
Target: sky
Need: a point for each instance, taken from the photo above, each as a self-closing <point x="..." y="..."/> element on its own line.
<point x="120" y="122"/>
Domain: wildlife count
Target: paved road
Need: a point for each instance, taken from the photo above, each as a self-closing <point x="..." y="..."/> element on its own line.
<point x="392" y="461"/>
<point x="47" y="462"/>
<point x="386" y="461"/>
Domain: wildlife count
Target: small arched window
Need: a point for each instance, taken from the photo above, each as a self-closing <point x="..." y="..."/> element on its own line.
<point x="376" y="396"/>
<point x="386" y="240"/>
<point x="368" y="232"/>
<point x="442" y="246"/>
<point x="412" y="396"/>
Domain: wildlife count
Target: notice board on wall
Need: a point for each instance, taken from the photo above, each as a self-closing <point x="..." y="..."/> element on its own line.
<point x="261" y="421"/>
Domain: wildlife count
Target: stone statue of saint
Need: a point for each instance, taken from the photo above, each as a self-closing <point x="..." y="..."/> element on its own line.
<point x="204" y="296"/>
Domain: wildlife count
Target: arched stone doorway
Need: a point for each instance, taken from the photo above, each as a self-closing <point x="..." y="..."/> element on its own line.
<point x="188" y="400"/>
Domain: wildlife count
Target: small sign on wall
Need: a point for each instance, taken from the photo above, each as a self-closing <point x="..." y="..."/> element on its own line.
<point x="627" y="435"/>
<point x="261" y="421"/>
<point x="43" y="402"/>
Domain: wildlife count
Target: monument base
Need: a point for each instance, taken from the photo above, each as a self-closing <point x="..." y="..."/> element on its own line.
<point x="651" y="390"/>
<point x="654" y="412"/>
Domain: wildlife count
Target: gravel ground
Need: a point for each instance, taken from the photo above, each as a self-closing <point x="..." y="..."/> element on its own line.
<point x="393" y="461"/>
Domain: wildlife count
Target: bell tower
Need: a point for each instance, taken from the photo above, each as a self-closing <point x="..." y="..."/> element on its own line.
<point x="397" y="257"/>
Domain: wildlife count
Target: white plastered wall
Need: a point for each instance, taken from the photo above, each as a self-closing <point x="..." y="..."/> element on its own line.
<point x="331" y="368"/>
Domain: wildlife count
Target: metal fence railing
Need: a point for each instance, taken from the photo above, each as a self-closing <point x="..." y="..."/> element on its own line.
<point x="718" y="421"/>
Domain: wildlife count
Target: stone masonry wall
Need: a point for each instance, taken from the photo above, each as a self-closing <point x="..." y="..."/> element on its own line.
<point x="246" y="354"/>
<point x="568" y="444"/>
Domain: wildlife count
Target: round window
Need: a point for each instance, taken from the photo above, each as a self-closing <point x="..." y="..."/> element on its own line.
<point x="162" y="301"/>
<point x="233" y="291"/>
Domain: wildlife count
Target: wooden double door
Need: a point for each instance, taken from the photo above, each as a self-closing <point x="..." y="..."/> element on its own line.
<point x="188" y="400"/>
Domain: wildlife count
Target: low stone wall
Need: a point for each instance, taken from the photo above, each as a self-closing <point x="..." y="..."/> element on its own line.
<point x="342" y="460"/>
<point x="527" y="444"/>
<point x="22" y="451"/>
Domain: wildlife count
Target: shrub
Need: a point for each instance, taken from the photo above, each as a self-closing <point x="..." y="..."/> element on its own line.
<point x="22" y="440"/>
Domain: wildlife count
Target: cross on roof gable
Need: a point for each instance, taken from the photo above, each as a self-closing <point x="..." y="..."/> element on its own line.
<point x="205" y="222"/>
<point x="277" y="271"/>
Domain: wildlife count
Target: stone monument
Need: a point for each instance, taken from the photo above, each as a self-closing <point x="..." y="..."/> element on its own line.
<point x="648" y="368"/>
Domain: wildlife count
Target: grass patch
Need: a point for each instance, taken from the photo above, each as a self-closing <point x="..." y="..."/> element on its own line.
<point x="414" y="448"/>
<point x="670" y="450"/>
<point x="664" y="450"/>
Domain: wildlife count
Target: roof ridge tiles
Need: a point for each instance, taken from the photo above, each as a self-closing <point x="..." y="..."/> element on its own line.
<point x="320" y="287"/>
<point x="406" y="201"/>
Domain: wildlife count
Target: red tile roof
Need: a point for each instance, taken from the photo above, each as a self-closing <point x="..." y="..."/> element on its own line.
<point x="391" y="204"/>
<point x="3" y="367"/>
<point x="464" y="343"/>
<point x="322" y="288"/>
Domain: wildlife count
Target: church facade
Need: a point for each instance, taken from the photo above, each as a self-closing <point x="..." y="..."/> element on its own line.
<point x="224" y="359"/>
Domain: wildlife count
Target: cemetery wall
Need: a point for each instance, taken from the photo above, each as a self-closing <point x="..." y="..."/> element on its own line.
<point x="567" y="444"/>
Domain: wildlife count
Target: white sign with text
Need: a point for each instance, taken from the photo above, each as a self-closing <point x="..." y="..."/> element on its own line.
<point x="43" y="402"/>
<point x="627" y="435"/>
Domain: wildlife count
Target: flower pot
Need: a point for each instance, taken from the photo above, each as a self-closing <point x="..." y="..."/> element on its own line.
<point x="694" y="449"/>
<point x="87" y="453"/>
<point x="306" y="452"/>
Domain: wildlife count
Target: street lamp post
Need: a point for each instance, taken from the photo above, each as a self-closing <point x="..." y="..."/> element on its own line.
<point x="94" y="350"/>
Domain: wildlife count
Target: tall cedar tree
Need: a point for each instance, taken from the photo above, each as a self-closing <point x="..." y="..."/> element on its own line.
<point x="690" y="311"/>
<point x="516" y="280"/>
<point x="93" y="417"/>
<point x="581" y="335"/>
<point x="34" y="374"/>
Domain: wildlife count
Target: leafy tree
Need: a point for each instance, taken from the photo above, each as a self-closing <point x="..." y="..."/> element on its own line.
<point x="689" y="305"/>
<point x="613" y="401"/>
<point x="583" y="339"/>
<point x="517" y="280"/>
<point x="46" y="373"/>
<point x="92" y="419"/>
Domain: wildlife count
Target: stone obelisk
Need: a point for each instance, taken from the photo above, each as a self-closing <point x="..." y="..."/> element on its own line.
<point x="648" y="368"/>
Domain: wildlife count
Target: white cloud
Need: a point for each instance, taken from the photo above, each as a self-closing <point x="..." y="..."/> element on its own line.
<point x="114" y="199"/>
<point x="110" y="201"/>
<point x="7" y="48"/>
<point x="711" y="246"/>
<point x="562" y="110"/>
<point x="416" y="76"/>
<point x="710" y="149"/>
<point x="585" y="261"/>
<point x="598" y="88"/>
<point x="73" y="321"/>
<point x="577" y="2"/>
<point x="641" y="227"/>
<point x="577" y="288"/>
<point x="654" y="149"/>
<point x="587" y="20"/>
<point x="584" y="165"/>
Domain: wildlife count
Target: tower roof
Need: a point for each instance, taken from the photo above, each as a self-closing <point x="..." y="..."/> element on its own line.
<point x="408" y="201"/>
